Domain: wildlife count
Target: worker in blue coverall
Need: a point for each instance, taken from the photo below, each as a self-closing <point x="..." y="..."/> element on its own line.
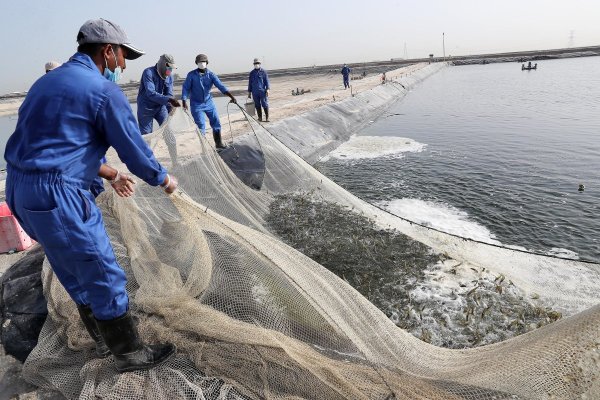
<point x="155" y="95"/>
<point x="155" y="99"/>
<point x="66" y="123"/>
<point x="197" y="87"/>
<point x="346" y="74"/>
<point x="258" y="89"/>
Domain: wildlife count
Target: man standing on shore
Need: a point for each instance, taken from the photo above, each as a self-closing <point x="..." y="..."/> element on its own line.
<point x="155" y="95"/>
<point x="66" y="123"/>
<point x="346" y="74"/>
<point x="258" y="89"/>
<point x="197" y="87"/>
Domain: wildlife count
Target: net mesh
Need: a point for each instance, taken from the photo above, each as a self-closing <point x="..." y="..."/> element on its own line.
<point x="253" y="318"/>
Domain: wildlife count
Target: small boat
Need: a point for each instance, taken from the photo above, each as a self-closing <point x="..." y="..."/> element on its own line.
<point x="529" y="67"/>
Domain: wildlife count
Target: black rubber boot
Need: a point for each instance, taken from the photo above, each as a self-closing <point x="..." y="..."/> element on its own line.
<point x="85" y="312"/>
<point x="266" y="114"/>
<point x="218" y="142"/>
<point x="259" y="113"/>
<point x="131" y="354"/>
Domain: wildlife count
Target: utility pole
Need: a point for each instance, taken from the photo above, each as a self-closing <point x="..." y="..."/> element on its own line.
<point x="444" y="45"/>
<point x="571" y="39"/>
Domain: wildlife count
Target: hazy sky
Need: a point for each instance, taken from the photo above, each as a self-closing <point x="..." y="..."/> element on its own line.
<point x="288" y="33"/>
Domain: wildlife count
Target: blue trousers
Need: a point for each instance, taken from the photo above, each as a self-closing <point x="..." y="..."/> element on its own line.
<point x="346" y="81"/>
<point x="260" y="99"/>
<point x="146" y="117"/>
<point x="61" y="214"/>
<point x="198" y="111"/>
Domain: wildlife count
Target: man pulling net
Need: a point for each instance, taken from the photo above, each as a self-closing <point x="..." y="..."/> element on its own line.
<point x="66" y="124"/>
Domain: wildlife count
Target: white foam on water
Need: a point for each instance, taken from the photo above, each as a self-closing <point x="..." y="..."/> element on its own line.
<point x="440" y="216"/>
<point x="366" y="147"/>
<point x="563" y="253"/>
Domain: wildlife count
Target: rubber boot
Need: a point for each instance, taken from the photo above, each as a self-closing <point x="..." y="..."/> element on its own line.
<point x="266" y="114"/>
<point x="259" y="113"/>
<point x="131" y="354"/>
<point x="218" y="142"/>
<point x="85" y="312"/>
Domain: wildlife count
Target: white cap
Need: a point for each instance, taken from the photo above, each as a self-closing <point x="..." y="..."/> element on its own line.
<point x="50" y="65"/>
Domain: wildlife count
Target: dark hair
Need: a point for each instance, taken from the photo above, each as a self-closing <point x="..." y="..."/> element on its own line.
<point x="91" y="49"/>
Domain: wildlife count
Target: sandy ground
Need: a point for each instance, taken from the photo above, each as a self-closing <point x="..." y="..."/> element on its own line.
<point x="324" y="88"/>
<point x="9" y="107"/>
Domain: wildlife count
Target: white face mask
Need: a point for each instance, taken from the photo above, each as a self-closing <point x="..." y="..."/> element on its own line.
<point x="202" y="65"/>
<point x="256" y="66"/>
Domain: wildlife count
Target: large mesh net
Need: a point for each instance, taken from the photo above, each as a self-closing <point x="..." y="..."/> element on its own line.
<point x="254" y="318"/>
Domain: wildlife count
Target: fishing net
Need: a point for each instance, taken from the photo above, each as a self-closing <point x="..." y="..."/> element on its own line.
<point x="254" y="318"/>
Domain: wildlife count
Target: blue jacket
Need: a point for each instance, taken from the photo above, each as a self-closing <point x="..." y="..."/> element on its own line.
<point x="346" y="71"/>
<point x="70" y="118"/>
<point x="197" y="87"/>
<point x="154" y="91"/>
<point x="258" y="81"/>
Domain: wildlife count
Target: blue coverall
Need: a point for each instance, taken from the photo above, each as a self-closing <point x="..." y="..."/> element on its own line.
<point x="153" y="98"/>
<point x="258" y="84"/>
<point x="346" y="74"/>
<point x="66" y="123"/>
<point x="197" y="87"/>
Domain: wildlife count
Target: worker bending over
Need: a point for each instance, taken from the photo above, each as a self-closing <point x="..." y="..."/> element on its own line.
<point x="66" y="123"/>
<point x="155" y="95"/>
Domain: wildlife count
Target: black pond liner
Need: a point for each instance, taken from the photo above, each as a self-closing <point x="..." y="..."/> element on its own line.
<point x="23" y="307"/>
<point x="247" y="163"/>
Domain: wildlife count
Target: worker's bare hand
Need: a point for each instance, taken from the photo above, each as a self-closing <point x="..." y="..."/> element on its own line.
<point x="249" y="96"/>
<point x="174" y="102"/>
<point x="233" y="100"/>
<point x="267" y="93"/>
<point x="172" y="186"/>
<point x="124" y="186"/>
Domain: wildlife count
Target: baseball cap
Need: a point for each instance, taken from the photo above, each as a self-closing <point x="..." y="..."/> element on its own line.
<point x="104" y="31"/>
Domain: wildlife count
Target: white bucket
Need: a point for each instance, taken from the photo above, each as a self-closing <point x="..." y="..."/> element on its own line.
<point x="250" y="109"/>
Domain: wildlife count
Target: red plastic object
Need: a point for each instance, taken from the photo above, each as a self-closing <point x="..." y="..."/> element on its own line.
<point x="12" y="236"/>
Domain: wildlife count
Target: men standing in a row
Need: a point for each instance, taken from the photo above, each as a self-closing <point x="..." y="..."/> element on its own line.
<point x="346" y="74"/>
<point x="155" y="95"/>
<point x="258" y="89"/>
<point x="197" y="87"/>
